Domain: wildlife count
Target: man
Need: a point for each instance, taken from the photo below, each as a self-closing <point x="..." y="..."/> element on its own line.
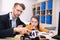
<point x="10" y="24"/>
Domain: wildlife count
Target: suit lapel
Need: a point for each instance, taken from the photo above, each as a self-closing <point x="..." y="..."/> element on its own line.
<point x="17" y="22"/>
<point x="8" y="21"/>
<point x="10" y="24"/>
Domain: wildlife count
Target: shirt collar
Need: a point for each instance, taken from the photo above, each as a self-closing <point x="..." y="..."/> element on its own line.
<point x="10" y="15"/>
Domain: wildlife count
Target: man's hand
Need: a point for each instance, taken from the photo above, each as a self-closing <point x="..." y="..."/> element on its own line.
<point x="20" y="29"/>
<point x="20" y="26"/>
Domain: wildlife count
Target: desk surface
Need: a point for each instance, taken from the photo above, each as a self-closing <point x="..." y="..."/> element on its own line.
<point x="9" y="39"/>
<point x="17" y="37"/>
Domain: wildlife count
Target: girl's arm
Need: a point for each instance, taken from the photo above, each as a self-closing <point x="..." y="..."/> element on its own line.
<point x="44" y="29"/>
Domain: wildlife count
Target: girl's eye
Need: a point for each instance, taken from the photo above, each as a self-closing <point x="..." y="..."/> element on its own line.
<point x="32" y="21"/>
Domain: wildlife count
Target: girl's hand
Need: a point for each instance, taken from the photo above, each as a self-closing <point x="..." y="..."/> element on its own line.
<point x="51" y="32"/>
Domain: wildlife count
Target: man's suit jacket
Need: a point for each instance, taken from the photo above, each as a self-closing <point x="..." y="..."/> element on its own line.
<point x="6" y="29"/>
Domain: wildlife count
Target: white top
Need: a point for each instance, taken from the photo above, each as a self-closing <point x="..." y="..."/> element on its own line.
<point x="13" y="20"/>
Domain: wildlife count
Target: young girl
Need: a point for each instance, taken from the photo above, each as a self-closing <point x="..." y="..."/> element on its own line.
<point x="34" y="23"/>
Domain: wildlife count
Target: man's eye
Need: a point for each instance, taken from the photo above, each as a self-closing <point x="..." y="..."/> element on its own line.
<point x="18" y="10"/>
<point x="32" y="21"/>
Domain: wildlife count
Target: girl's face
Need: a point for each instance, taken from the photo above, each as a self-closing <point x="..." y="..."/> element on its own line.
<point x="34" y="22"/>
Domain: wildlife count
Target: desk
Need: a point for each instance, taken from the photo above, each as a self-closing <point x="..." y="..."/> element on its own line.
<point x="10" y="38"/>
<point x="17" y="37"/>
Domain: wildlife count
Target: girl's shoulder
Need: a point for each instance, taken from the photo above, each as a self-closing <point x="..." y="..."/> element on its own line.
<point x="28" y="25"/>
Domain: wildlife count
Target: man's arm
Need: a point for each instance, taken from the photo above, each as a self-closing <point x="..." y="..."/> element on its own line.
<point x="4" y="31"/>
<point x="8" y="32"/>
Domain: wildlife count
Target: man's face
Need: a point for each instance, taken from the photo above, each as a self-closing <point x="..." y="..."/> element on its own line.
<point x="17" y="11"/>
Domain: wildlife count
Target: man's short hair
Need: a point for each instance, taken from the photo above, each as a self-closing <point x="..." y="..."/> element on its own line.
<point x="20" y="4"/>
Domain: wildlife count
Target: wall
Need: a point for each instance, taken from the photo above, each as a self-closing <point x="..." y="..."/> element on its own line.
<point x="0" y="5"/>
<point x="56" y="13"/>
<point x="6" y="6"/>
<point x="40" y="0"/>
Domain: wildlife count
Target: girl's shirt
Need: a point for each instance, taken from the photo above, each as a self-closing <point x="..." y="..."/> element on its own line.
<point x="42" y="29"/>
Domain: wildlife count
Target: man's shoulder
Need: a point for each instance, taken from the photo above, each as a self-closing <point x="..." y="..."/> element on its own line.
<point x="5" y="16"/>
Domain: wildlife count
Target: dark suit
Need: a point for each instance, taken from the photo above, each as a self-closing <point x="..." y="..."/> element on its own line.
<point x="6" y="29"/>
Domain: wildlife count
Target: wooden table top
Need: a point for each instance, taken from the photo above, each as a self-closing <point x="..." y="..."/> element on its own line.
<point x="17" y="37"/>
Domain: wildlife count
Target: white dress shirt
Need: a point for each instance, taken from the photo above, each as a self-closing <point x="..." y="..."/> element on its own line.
<point x="13" y="21"/>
